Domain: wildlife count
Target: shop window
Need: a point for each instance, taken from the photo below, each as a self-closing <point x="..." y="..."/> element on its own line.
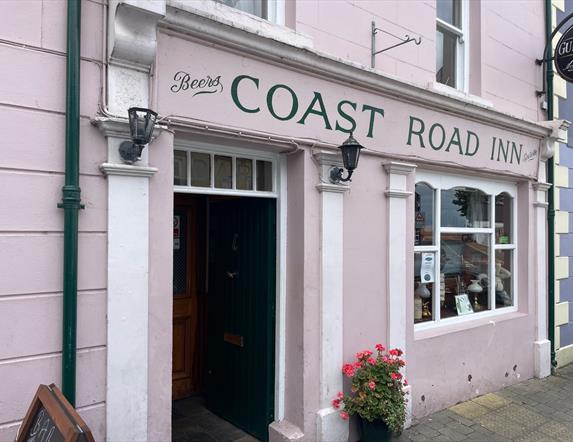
<point x="210" y="172"/>
<point x="451" y="36"/>
<point x="464" y="250"/>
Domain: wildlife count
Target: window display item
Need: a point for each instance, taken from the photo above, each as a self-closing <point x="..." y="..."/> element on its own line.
<point x="475" y="289"/>
<point x="422" y="291"/>
<point x="501" y="295"/>
<point x="463" y="305"/>
<point x="427" y="268"/>
<point x="417" y="308"/>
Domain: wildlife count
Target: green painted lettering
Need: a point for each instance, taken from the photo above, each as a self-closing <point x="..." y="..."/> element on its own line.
<point x="492" y="147"/>
<point x="321" y="111"/>
<point x="514" y="151"/>
<point x="418" y="132"/>
<point x="431" y="136"/>
<point x="471" y="135"/>
<point x="501" y="149"/>
<point x="455" y="140"/>
<point x="347" y="117"/>
<point x="294" y="105"/>
<point x="373" y="111"/>
<point x="235" y="93"/>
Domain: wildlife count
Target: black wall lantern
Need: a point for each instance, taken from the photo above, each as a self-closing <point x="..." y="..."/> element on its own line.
<point x="141" y="123"/>
<point x="350" y="154"/>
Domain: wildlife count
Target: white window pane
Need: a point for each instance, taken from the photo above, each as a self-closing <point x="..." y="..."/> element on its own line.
<point x="180" y="168"/>
<point x="503" y="278"/>
<point x="449" y="11"/>
<point x="446" y="58"/>
<point x="255" y="7"/>
<point x="465" y="207"/>
<point x="464" y="261"/>
<point x="424" y="286"/>
<point x="200" y="169"/>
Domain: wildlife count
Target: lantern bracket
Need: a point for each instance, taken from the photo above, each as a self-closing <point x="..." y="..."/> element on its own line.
<point x="336" y="175"/>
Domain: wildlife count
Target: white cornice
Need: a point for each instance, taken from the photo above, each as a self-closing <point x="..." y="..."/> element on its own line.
<point x="127" y="170"/>
<point x="333" y="188"/>
<point x="338" y="70"/>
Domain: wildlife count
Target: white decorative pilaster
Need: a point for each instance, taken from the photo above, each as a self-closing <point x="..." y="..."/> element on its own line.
<point x="398" y="248"/>
<point x="542" y="345"/>
<point x="127" y="288"/>
<point x="330" y="427"/>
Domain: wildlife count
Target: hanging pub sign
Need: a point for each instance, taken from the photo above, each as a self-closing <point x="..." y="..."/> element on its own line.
<point x="564" y="55"/>
<point x="51" y="418"/>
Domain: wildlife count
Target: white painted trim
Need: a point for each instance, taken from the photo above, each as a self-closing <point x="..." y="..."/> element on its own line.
<point x="127" y="308"/>
<point x="280" y="316"/>
<point x="127" y="170"/>
<point x="297" y="56"/>
<point x="329" y="426"/>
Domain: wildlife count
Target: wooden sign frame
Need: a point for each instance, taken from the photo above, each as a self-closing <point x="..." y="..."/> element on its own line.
<point x="66" y="419"/>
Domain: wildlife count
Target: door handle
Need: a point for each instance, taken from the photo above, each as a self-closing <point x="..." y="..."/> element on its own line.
<point x="232" y="275"/>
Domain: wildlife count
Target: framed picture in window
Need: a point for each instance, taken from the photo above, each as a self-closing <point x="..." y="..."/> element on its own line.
<point x="463" y="305"/>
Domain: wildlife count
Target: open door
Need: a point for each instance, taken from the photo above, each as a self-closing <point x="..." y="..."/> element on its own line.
<point x="241" y="312"/>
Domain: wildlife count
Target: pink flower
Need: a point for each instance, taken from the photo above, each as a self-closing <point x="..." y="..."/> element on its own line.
<point x="372" y="385"/>
<point x="372" y="361"/>
<point x="405" y="382"/>
<point x="396" y="376"/>
<point x="366" y="353"/>
<point x="340" y="395"/>
<point x="348" y="370"/>
<point x="357" y="364"/>
<point x="336" y="403"/>
<point x="359" y="355"/>
<point x="344" y="415"/>
<point x="379" y="347"/>
<point x="396" y="352"/>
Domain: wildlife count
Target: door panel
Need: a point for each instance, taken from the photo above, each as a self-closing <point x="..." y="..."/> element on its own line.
<point x="188" y="294"/>
<point x="241" y="296"/>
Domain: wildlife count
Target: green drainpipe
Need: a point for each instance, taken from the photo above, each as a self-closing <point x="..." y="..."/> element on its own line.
<point x="551" y="208"/>
<point x="71" y="202"/>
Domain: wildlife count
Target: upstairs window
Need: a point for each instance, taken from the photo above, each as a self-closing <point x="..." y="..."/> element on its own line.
<point x="451" y="36"/>
<point x="255" y="7"/>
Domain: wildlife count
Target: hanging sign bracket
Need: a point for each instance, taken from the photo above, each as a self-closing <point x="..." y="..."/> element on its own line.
<point x="406" y="39"/>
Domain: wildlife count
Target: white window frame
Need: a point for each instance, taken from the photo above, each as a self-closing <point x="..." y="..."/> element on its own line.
<point x="234" y="154"/>
<point x="462" y="48"/>
<point x="275" y="11"/>
<point x="441" y="181"/>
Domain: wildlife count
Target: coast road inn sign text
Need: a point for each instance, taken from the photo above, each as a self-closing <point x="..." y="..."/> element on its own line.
<point x="564" y="55"/>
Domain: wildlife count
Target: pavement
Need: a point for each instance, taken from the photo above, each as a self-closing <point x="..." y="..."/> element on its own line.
<point x="538" y="410"/>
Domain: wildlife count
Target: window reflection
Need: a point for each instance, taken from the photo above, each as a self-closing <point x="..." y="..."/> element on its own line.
<point x="424" y="207"/>
<point x="503" y="203"/>
<point x="465" y="207"/>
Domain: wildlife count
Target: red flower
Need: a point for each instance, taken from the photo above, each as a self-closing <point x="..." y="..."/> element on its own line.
<point x="405" y="382"/>
<point x="379" y="347"/>
<point x="372" y="385"/>
<point x="359" y="355"/>
<point x="344" y="415"/>
<point x="396" y="352"/>
<point x="348" y="370"/>
<point x="336" y="403"/>
<point x="366" y="353"/>
<point x="357" y="364"/>
<point x="372" y="361"/>
<point x="396" y="376"/>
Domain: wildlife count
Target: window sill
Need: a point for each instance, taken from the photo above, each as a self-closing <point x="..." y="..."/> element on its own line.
<point x="463" y="323"/>
<point x="238" y="19"/>
<point x="460" y="95"/>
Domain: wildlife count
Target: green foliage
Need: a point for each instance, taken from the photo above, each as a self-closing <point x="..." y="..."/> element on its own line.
<point x="377" y="388"/>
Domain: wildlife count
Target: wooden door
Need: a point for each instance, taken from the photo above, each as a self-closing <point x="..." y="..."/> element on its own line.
<point x="241" y="309"/>
<point x="188" y="294"/>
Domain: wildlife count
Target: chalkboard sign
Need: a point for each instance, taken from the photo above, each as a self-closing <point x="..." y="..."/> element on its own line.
<point x="51" y="418"/>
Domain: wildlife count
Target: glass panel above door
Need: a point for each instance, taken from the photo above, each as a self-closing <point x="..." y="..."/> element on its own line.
<point x="223" y="172"/>
<point x="200" y="169"/>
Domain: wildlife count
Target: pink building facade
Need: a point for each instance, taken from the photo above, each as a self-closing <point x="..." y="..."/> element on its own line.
<point x="437" y="246"/>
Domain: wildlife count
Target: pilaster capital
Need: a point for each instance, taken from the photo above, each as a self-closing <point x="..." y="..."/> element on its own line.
<point x="398" y="178"/>
<point x="326" y="160"/>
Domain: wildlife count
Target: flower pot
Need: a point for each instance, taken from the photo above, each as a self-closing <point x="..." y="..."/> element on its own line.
<point x="375" y="431"/>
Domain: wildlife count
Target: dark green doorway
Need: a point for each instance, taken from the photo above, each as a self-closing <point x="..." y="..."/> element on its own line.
<point x="232" y="310"/>
<point x="241" y="312"/>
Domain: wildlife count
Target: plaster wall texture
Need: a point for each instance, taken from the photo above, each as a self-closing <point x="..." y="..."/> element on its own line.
<point x="504" y="41"/>
<point x="32" y="120"/>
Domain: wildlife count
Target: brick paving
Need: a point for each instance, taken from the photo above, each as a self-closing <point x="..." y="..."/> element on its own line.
<point x="538" y="410"/>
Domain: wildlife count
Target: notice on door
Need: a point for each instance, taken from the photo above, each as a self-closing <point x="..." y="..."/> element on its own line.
<point x="176" y="232"/>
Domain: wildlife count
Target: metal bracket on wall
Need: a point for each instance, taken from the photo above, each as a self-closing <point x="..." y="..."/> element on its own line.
<point x="406" y="39"/>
